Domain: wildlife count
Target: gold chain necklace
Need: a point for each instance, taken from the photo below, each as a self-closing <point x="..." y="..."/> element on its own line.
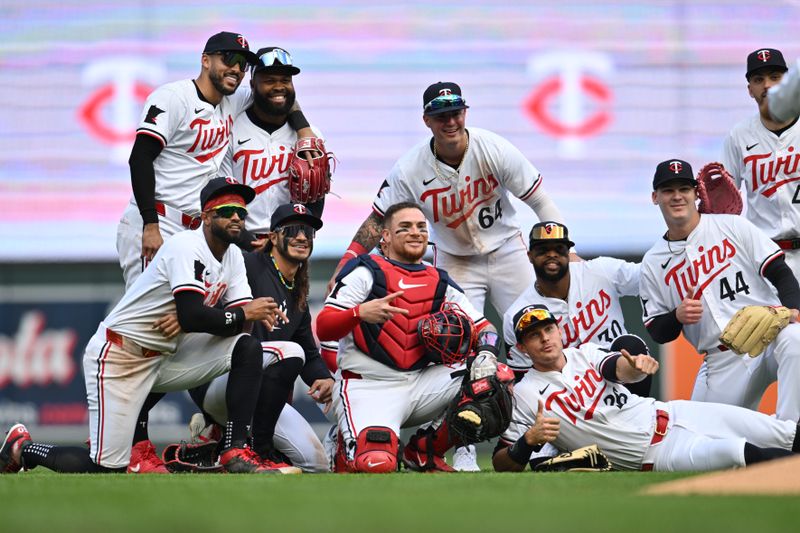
<point x="436" y="161"/>
<point x="289" y="286"/>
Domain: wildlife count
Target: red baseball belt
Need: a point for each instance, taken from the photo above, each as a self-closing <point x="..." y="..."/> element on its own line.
<point x="187" y="221"/>
<point x="662" y="422"/>
<point x="787" y="244"/>
<point x="123" y="342"/>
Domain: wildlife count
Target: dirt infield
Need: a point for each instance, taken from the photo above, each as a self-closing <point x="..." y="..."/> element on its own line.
<point x="780" y="477"/>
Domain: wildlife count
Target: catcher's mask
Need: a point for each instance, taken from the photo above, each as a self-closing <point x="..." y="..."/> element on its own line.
<point x="448" y="336"/>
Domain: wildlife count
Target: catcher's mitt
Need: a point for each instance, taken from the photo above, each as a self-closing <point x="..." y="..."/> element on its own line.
<point x="586" y="459"/>
<point x="190" y="457"/>
<point x="717" y="191"/>
<point x="308" y="184"/>
<point x="752" y="328"/>
<point x="481" y="411"/>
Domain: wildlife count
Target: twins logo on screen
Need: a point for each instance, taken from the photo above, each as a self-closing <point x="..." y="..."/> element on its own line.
<point x="571" y="99"/>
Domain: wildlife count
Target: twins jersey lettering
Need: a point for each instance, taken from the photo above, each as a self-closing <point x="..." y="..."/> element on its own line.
<point x="470" y="212"/>
<point x="592" y="311"/>
<point x="592" y="410"/>
<point x="195" y="135"/>
<point x="724" y="260"/>
<point x="183" y="263"/>
<point x="260" y="160"/>
<point x="769" y="168"/>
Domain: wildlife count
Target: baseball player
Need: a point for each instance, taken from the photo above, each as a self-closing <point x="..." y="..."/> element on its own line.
<point x="262" y="142"/>
<point x="583" y="295"/>
<point x="387" y="382"/>
<point x="699" y="274"/>
<point x="763" y="154"/>
<point x="290" y="350"/>
<point x="130" y="355"/>
<point x="181" y="140"/>
<point x="574" y="397"/>
<point x="463" y="180"/>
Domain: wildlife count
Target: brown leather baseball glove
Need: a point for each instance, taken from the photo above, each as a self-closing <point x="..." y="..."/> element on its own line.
<point x="717" y="191"/>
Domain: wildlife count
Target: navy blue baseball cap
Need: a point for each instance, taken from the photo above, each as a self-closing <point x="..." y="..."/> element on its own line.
<point x="529" y="317"/>
<point x="294" y="213"/>
<point x="442" y="97"/>
<point x="765" y="58"/>
<point x="226" y="41"/>
<point x="672" y="170"/>
<point x="225" y="185"/>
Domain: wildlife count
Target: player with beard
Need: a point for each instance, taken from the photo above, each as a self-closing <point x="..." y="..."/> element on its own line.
<point x="290" y="349"/>
<point x="262" y="143"/>
<point x="584" y="296"/>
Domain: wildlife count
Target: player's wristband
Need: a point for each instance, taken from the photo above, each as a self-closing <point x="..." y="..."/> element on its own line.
<point x="520" y="452"/>
<point x="354" y="250"/>
<point x="297" y="120"/>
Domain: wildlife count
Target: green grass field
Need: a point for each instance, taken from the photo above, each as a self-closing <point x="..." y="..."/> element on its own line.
<point x="449" y="503"/>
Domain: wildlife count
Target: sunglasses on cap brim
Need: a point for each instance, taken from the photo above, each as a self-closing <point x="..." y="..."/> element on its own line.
<point x="533" y="316"/>
<point x="444" y="102"/>
<point x="290" y="231"/>
<point x="232" y="59"/>
<point x="279" y="55"/>
<point x="227" y="211"/>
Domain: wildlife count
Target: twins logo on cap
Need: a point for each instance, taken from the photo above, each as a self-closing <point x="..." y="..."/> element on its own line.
<point x="242" y="41"/>
<point x="763" y="55"/>
<point x="300" y="209"/>
<point x="445" y="92"/>
<point x="549" y="228"/>
<point x="676" y="167"/>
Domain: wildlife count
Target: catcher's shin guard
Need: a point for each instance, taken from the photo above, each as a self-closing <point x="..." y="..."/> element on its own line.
<point x="376" y="450"/>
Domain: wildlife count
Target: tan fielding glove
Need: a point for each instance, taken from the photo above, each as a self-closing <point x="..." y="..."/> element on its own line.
<point x="752" y="328"/>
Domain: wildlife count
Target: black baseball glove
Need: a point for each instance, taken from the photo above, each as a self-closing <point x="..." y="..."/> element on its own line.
<point x="481" y="411"/>
<point x="189" y="457"/>
<point x="586" y="459"/>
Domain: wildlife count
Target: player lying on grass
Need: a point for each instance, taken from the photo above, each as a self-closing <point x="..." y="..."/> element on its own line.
<point x="576" y="397"/>
<point x="130" y="354"/>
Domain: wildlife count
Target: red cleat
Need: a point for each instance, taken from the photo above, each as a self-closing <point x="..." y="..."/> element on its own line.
<point x="423" y="461"/>
<point x="244" y="461"/>
<point x="11" y="451"/>
<point x="144" y="459"/>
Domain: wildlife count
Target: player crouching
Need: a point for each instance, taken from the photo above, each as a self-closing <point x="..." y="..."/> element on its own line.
<point x="395" y="372"/>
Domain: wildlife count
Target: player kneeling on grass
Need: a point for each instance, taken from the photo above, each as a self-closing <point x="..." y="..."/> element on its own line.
<point x="576" y="397"/>
<point x="389" y="379"/>
<point x="132" y="354"/>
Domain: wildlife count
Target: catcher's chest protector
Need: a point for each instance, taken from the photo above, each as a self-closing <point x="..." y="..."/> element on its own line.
<point x="395" y="343"/>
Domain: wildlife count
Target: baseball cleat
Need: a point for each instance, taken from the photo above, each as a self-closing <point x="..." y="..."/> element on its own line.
<point x="11" y="451"/>
<point x="283" y="468"/>
<point x="244" y="461"/>
<point x="144" y="459"/>
<point x="465" y="459"/>
<point x="420" y="461"/>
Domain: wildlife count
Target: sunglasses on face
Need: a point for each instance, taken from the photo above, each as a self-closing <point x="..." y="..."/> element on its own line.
<point x="280" y="55"/>
<point x="543" y="249"/>
<point x="291" y="231"/>
<point x="443" y="102"/>
<point x="232" y="59"/>
<point x="227" y="211"/>
<point x="534" y="315"/>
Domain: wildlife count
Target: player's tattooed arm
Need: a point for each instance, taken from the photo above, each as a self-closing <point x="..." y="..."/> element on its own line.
<point x="366" y="238"/>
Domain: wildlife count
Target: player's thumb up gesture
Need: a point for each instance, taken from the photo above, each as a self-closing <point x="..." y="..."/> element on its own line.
<point x="544" y="430"/>
<point x="266" y="310"/>
<point x="690" y="310"/>
<point x="380" y="310"/>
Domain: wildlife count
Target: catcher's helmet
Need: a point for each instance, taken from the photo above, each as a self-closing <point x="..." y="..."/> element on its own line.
<point x="448" y="335"/>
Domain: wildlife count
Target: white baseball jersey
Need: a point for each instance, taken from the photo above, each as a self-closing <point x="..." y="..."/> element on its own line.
<point x="592" y="311"/>
<point x="195" y="135"/>
<point x="724" y="259"/>
<point x="260" y="160"/>
<point x="470" y="211"/>
<point x="769" y="167"/>
<point x="183" y="263"/>
<point x="593" y="410"/>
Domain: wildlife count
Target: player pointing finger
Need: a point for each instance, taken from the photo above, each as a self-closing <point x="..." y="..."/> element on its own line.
<point x="380" y="310"/>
